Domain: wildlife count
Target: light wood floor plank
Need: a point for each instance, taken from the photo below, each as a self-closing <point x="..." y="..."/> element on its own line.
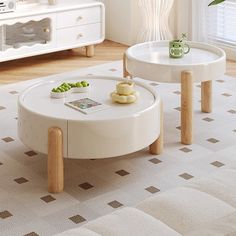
<point x="39" y="66"/>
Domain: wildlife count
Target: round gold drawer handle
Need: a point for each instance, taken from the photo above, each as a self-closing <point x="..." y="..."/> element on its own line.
<point x="46" y="30"/>
<point x="79" y="18"/>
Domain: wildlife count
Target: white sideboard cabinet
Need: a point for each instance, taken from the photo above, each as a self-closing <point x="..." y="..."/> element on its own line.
<point x="40" y="28"/>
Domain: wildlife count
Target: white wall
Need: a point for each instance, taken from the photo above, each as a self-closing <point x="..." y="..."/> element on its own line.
<point x="120" y="21"/>
<point x="183" y="22"/>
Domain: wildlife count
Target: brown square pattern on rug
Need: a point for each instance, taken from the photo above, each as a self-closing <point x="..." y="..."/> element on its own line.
<point x="115" y="204"/>
<point x="30" y="153"/>
<point x="232" y="111"/>
<point x="186" y="176"/>
<point x="31" y="234"/>
<point x="77" y="219"/>
<point x="8" y="139"/>
<point x="217" y="164"/>
<point x="213" y="140"/>
<point x="21" y="180"/>
<point x="226" y="94"/>
<point x="177" y="108"/>
<point x="48" y="198"/>
<point x="152" y="189"/>
<point x="186" y="150"/>
<point x="13" y="92"/>
<point x="5" y="214"/>
<point x="208" y="119"/>
<point x="86" y="186"/>
<point x="177" y="92"/>
<point x="155" y="161"/>
<point x="178" y="127"/>
<point x="122" y="173"/>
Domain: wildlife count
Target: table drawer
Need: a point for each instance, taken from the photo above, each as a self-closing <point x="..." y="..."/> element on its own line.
<point x="79" y="17"/>
<point x="79" y="35"/>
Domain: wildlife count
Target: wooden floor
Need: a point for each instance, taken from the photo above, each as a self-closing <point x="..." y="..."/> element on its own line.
<point x="231" y="68"/>
<point x="38" y="66"/>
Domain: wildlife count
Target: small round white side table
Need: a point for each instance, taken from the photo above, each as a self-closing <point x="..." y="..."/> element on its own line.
<point x="203" y="64"/>
<point x="49" y="126"/>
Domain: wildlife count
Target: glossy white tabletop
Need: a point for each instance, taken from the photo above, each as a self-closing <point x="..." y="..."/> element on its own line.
<point x="151" y="61"/>
<point x="37" y="99"/>
<point x="159" y="54"/>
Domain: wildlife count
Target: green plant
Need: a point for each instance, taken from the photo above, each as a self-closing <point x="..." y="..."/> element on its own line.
<point x="215" y="2"/>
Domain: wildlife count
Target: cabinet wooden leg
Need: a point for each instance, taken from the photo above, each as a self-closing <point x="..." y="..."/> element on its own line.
<point x="157" y="147"/>
<point x="187" y="107"/>
<point x="90" y="51"/>
<point x="125" y="72"/>
<point x="206" y="96"/>
<point x="55" y="161"/>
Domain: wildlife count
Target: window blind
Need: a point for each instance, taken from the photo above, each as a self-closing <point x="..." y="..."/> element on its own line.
<point x="221" y="23"/>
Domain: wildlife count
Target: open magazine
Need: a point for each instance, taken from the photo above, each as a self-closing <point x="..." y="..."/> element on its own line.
<point x="87" y="105"/>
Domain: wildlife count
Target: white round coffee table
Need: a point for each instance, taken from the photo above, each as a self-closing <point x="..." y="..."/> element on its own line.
<point x="48" y="126"/>
<point x="203" y="64"/>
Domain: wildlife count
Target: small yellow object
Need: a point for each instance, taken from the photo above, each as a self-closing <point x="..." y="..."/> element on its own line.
<point x="124" y="99"/>
<point x="125" y="88"/>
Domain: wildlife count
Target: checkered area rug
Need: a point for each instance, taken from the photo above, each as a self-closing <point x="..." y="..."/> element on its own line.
<point x="97" y="187"/>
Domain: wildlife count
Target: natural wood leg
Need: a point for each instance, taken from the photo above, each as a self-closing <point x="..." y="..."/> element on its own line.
<point x="125" y="72"/>
<point x="55" y="161"/>
<point x="206" y="94"/>
<point x="90" y="51"/>
<point x="157" y="147"/>
<point x="186" y="107"/>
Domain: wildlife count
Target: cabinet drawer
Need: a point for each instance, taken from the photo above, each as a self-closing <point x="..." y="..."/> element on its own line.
<point x="79" y="35"/>
<point x="79" y="17"/>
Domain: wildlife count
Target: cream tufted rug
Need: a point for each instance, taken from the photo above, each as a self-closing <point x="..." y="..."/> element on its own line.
<point x="97" y="187"/>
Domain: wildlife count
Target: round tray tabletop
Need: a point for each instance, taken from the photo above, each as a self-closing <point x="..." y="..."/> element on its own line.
<point x="37" y="99"/>
<point x="151" y="61"/>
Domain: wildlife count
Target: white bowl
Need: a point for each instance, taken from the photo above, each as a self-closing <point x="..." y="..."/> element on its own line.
<point x="80" y="89"/>
<point x="59" y="95"/>
<point x="72" y="90"/>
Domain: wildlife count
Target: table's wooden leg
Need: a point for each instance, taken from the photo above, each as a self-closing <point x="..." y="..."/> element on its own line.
<point x="157" y="147"/>
<point x="206" y="96"/>
<point x="90" y="51"/>
<point x="55" y="161"/>
<point x="125" y="72"/>
<point x="186" y="107"/>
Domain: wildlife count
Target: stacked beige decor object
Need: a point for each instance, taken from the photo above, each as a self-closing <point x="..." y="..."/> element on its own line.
<point x="204" y="207"/>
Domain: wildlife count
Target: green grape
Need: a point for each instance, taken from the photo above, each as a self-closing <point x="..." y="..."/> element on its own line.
<point x="79" y="85"/>
<point x="84" y="83"/>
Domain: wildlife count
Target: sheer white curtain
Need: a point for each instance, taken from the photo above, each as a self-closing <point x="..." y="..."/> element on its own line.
<point x="198" y="20"/>
<point x="155" y="20"/>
